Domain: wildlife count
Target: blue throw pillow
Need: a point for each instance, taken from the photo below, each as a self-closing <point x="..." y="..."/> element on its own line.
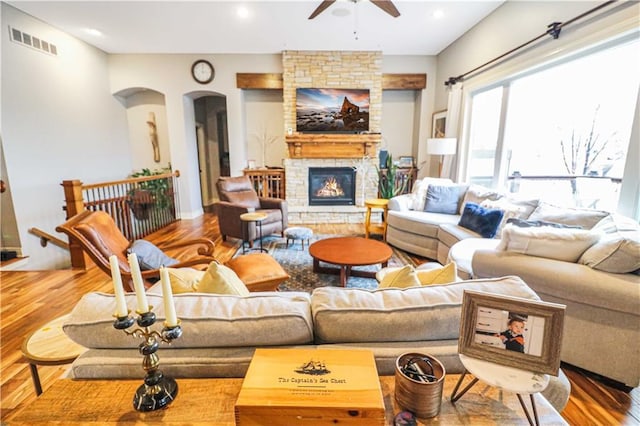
<point x="481" y="220"/>
<point x="149" y="256"/>
<point x="443" y="199"/>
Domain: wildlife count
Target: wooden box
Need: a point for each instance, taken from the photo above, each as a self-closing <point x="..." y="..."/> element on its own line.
<point x="307" y="386"/>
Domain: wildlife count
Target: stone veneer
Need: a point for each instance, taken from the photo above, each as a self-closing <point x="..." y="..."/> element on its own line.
<point x="331" y="69"/>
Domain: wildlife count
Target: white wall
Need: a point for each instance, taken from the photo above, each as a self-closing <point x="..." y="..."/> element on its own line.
<point x="59" y="121"/>
<point x="264" y="115"/>
<point x="397" y="105"/>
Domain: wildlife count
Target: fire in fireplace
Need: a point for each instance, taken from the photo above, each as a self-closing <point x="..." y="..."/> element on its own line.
<point x="332" y="186"/>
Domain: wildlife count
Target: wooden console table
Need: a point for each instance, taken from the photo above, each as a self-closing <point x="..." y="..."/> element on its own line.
<point x="211" y="402"/>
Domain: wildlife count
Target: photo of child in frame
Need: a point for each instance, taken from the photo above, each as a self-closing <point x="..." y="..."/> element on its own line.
<point x="513" y="337"/>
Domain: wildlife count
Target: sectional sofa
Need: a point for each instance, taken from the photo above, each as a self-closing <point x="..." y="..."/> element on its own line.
<point x="592" y="270"/>
<point x="221" y="332"/>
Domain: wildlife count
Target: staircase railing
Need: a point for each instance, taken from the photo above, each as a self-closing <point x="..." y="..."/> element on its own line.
<point x="139" y="206"/>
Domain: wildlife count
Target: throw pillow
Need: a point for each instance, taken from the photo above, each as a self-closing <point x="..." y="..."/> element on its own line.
<point x="554" y="243"/>
<point x="618" y="253"/>
<point x="586" y="218"/>
<point x="477" y="194"/>
<point x="443" y="199"/>
<point x="402" y="278"/>
<point x="443" y="275"/>
<point x="149" y="256"/>
<point x="221" y="279"/>
<point x="183" y="280"/>
<point x="481" y="220"/>
<point x="419" y="192"/>
<point x="510" y="211"/>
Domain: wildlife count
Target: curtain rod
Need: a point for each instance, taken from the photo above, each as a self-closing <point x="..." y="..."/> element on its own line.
<point x="553" y="30"/>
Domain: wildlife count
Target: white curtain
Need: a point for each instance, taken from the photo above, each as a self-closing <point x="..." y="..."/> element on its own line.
<point x="451" y="127"/>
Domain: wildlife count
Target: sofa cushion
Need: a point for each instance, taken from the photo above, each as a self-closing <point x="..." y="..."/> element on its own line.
<point x="221" y="279"/>
<point x="617" y="252"/>
<point x="444" y="199"/>
<point x="585" y="218"/>
<point x="482" y="220"/>
<point x="555" y="243"/>
<point x="477" y="194"/>
<point x="149" y="256"/>
<point x="419" y="191"/>
<point x="538" y="223"/>
<point x="419" y="222"/>
<point x="355" y="315"/>
<point x="449" y="234"/>
<point x="510" y="209"/>
<point x="207" y="320"/>
<point x="402" y="278"/>
<point x="183" y="280"/>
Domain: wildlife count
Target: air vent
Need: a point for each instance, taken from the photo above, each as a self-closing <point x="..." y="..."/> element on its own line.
<point x="33" y="42"/>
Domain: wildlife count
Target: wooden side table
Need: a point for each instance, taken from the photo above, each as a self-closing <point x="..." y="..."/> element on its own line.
<point x="247" y="218"/>
<point x="48" y="345"/>
<point x="381" y="228"/>
<point x="505" y="378"/>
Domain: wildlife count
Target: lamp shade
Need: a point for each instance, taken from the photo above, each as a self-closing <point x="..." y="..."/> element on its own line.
<point x="441" y="146"/>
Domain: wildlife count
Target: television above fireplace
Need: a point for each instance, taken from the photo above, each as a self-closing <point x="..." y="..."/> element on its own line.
<point x="332" y="110"/>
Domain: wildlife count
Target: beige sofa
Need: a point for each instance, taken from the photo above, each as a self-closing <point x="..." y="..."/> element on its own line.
<point x="221" y="332"/>
<point x="599" y="285"/>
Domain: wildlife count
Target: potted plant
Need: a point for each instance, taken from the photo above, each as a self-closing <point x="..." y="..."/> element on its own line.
<point x="387" y="187"/>
<point x="148" y="194"/>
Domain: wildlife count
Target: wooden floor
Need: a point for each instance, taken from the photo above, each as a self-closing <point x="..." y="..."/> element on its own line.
<point x="30" y="299"/>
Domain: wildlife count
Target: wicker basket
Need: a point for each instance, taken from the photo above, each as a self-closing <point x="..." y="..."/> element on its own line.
<point x="420" y="397"/>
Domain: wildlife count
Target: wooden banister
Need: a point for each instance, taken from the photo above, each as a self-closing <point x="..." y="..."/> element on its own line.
<point x="46" y="238"/>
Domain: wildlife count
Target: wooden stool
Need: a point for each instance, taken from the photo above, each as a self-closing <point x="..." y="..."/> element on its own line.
<point x="381" y="228"/>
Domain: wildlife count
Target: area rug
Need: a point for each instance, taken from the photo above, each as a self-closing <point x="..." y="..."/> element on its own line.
<point x="299" y="264"/>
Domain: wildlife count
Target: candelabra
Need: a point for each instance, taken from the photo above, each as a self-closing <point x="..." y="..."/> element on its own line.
<point x="157" y="391"/>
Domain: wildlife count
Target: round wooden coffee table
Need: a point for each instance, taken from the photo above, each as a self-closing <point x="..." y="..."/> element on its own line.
<point x="347" y="252"/>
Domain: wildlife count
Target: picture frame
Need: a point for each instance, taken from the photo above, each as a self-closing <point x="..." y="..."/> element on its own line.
<point x="486" y="317"/>
<point x="251" y="164"/>
<point x="438" y="124"/>
<point x="405" y="162"/>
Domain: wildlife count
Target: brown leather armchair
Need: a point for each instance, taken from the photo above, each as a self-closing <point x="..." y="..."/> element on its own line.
<point x="237" y="196"/>
<point x="99" y="236"/>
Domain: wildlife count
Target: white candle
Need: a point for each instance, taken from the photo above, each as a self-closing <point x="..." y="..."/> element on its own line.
<point x="118" y="290"/>
<point x="167" y="296"/>
<point x="138" y="284"/>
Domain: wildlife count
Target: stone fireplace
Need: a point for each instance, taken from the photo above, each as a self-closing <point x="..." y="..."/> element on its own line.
<point x="357" y="152"/>
<point x="332" y="186"/>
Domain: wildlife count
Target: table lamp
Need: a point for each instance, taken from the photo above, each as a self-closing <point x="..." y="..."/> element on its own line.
<point x="441" y="147"/>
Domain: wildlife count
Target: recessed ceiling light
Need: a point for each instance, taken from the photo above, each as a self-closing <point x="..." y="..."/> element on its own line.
<point x="93" y="32"/>
<point x="438" y="14"/>
<point x="242" y="12"/>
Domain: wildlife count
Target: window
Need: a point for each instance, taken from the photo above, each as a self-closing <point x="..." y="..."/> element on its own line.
<point x="560" y="133"/>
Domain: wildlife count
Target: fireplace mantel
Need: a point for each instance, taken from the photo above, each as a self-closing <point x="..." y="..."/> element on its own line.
<point x="332" y="145"/>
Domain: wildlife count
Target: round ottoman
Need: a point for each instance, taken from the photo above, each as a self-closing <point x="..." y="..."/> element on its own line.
<point x="298" y="233"/>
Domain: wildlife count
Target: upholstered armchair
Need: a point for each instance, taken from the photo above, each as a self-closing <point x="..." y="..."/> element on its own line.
<point x="237" y="196"/>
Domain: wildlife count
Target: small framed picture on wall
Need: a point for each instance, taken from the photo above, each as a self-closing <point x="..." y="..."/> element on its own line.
<point x="438" y="124"/>
<point x="405" y="162"/>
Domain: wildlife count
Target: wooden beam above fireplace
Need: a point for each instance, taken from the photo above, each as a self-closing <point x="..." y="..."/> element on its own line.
<point x="332" y="146"/>
<point x="274" y="81"/>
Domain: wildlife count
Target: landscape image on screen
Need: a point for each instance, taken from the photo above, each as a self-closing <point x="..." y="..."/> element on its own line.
<point x="332" y="110"/>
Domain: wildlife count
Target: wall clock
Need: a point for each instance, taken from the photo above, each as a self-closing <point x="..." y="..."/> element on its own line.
<point x="202" y="71"/>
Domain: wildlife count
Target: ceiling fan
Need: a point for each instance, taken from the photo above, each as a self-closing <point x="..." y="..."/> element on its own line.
<point x="385" y="5"/>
